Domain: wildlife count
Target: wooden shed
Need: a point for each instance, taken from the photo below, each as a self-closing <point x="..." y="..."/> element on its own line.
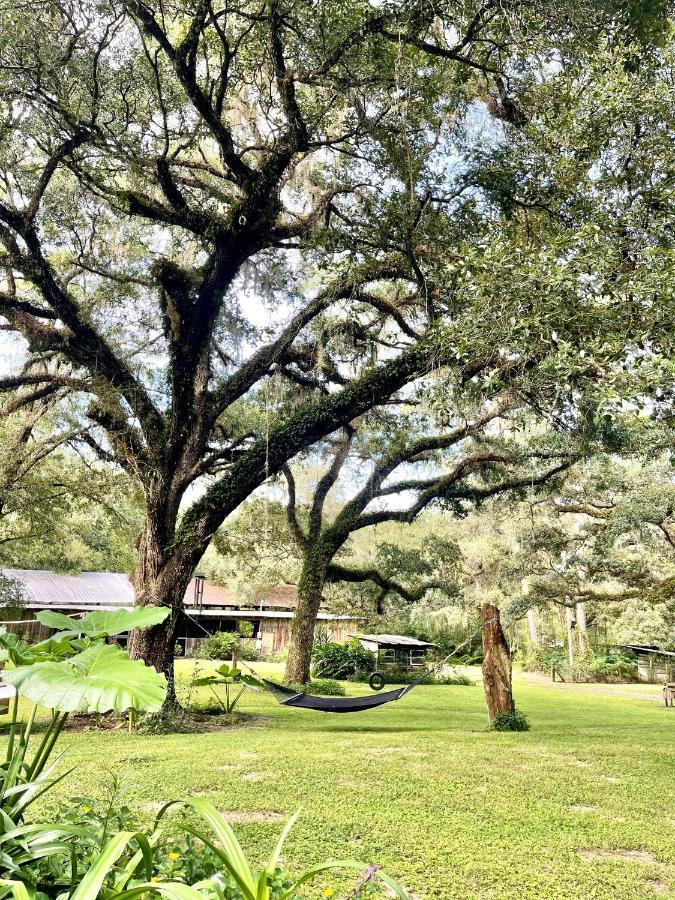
<point x="396" y="650"/>
<point x="654" y="666"/>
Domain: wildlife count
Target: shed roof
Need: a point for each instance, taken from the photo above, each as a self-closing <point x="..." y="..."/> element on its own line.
<point x="393" y="640"/>
<point x="636" y="648"/>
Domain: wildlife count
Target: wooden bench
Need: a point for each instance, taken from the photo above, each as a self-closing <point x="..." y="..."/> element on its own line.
<point x="669" y="694"/>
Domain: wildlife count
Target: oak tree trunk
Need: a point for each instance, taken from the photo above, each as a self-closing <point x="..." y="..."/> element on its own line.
<point x="496" y="664"/>
<point x="161" y="578"/>
<point x="532" y="628"/>
<point x="581" y="627"/>
<point x="156" y="647"/>
<point x="310" y="591"/>
<point x="569" y="628"/>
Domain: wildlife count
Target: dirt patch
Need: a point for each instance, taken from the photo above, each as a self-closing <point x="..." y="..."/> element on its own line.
<point x="256" y="776"/>
<point x="228" y="768"/>
<point x="659" y="887"/>
<point x="154" y="806"/>
<point x="582" y="808"/>
<point x="253" y="816"/>
<point x="580" y="763"/>
<point x="611" y="779"/>
<point x="96" y="722"/>
<point x="641" y="856"/>
<point x="350" y="784"/>
<point x="384" y="751"/>
<point x="247" y="754"/>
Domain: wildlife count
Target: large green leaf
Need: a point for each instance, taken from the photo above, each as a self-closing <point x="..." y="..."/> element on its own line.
<point x="102" y="623"/>
<point x="100" y="679"/>
<point x="14" y="649"/>
<point x="17" y="889"/>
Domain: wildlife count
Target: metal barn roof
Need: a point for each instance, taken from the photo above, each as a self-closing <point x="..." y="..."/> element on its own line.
<point x="111" y="590"/>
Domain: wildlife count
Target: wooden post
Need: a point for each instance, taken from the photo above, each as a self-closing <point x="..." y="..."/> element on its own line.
<point x="496" y="664"/>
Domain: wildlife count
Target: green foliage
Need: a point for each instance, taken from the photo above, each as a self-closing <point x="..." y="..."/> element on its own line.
<point x="59" y="511"/>
<point x="223" y="644"/>
<point x="233" y="680"/>
<point x="99" y="679"/>
<point x="86" y="675"/>
<point x="93" y="853"/>
<point x="516" y="721"/>
<point x="593" y="666"/>
<point x="325" y="686"/>
<point x="12" y="596"/>
<point x="331" y="660"/>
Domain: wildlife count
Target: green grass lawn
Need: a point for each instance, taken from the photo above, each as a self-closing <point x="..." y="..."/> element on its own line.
<point x="581" y="806"/>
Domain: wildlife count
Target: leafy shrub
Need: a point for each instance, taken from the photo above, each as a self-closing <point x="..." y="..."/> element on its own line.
<point x="606" y="668"/>
<point x="222" y="644"/>
<point x="612" y="668"/>
<point x="246" y="629"/>
<point x="325" y="686"/>
<point x="342" y="660"/>
<point x="516" y="721"/>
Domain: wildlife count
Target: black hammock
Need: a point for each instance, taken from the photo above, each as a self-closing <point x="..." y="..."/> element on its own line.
<point x="289" y="697"/>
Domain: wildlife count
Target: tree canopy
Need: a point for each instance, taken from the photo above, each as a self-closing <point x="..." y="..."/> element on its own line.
<point x="230" y="229"/>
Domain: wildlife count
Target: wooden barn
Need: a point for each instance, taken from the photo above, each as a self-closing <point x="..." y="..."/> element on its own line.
<point x="209" y="607"/>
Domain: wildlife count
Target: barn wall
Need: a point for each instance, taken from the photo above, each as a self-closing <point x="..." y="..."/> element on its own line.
<point x="340" y="631"/>
<point x="275" y="634"/>
<point x="655" y="670"/>
<point x="31" y="631"/>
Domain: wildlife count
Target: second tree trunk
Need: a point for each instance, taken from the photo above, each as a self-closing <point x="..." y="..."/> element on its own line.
<point x="496" y="665"/>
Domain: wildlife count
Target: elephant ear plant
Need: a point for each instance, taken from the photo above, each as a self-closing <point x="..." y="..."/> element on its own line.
<point x="75" y="670"/>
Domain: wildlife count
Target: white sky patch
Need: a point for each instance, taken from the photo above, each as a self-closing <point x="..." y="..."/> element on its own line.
<point x="13" y="349"/>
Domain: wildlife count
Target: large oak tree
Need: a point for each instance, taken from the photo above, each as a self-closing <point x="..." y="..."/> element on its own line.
<point x="162" y="165"/>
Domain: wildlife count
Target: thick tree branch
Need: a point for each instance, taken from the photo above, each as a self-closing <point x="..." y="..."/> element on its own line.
<point x="354" y="575"/>
<point x="291" y="508"/>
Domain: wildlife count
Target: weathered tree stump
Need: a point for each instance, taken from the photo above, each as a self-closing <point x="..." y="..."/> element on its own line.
<point x="496" y="664"/>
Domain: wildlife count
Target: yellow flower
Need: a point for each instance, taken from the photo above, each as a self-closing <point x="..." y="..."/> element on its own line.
<point x="329" y="892"/>
<point x="85" y="809"/>
<point x="174" y="855"/>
